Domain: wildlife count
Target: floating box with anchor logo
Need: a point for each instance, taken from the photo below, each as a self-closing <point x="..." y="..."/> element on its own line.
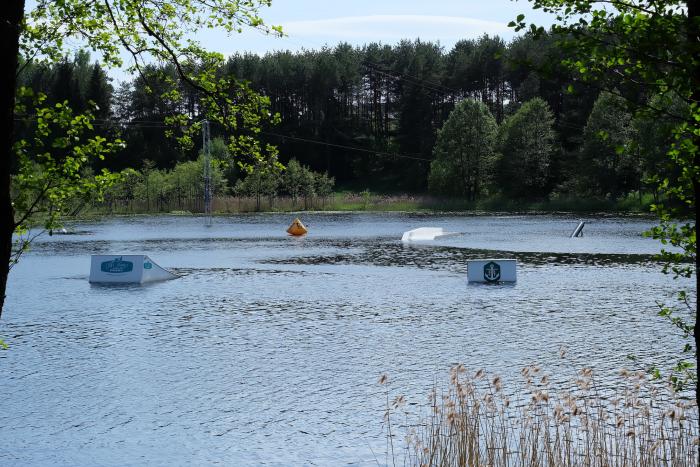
<point x="491" y="270"/>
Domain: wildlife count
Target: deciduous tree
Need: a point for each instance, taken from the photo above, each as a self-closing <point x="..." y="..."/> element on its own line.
<point x="606" y="167"/>
<point x="527" y="143"/>
<point x="465" y="151"/>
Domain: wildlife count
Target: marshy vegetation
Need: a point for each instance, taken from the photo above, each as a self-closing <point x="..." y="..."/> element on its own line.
<point x="479" y="421"/>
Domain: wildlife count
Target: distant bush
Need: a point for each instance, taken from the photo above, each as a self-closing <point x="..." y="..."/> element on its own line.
<point x="164" y="190"/>
<point x="296" y="181"/>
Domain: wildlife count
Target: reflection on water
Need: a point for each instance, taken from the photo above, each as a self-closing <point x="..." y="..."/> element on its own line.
<point x="267" y="349"/>
<point x="390" y="253"/>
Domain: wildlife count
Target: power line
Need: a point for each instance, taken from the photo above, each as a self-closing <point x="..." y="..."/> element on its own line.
<point x="436" y="87"/>
<point x="157" y="124"/>
<point x="378" y="153"/>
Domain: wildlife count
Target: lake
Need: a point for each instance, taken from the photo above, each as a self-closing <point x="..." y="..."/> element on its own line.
<point x="268" y="348"/>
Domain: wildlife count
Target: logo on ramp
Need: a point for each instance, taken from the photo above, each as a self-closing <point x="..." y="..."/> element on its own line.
<point x="117" y="266"/>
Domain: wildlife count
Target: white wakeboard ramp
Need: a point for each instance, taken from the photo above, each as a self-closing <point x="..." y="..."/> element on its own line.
<point x="426" y="234"/>
<point x="126" y="269"/>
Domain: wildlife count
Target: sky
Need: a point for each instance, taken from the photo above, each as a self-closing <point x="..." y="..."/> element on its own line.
<point x="312" y="24"/>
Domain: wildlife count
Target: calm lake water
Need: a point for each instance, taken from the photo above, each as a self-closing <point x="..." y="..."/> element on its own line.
<point x="268" y="348"/>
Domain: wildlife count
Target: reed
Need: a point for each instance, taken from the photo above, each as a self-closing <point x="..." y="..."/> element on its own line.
<point x="474" y="422"/>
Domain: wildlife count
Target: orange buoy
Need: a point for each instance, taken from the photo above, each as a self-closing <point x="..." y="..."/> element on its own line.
<point x="297" y="228"/>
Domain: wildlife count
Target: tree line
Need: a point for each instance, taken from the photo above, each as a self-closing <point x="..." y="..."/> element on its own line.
<point x="380" y="116"/>
<point x="522" y="157"/>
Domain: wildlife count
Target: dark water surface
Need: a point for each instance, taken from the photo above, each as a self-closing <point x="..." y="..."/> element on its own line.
<point x="268" y="349"/>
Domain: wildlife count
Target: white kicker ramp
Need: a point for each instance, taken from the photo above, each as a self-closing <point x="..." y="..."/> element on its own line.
<point x="425" y="234"/>
<point x="126" y="269"/>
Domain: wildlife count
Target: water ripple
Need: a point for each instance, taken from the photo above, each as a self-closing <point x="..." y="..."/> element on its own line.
<point x="267" y="349"/>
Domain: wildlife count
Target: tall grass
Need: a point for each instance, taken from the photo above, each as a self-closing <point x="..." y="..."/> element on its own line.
<point x="474" y="423"/>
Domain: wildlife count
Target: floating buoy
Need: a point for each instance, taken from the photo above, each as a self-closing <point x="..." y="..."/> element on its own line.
<point x="297" y="228"/>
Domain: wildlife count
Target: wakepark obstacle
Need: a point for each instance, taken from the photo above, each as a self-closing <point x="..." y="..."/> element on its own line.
<point x="140" y="269"/>
<point x="422" y="234"/>
<point x="126" y="269"/>
<point x="490" y="271"/>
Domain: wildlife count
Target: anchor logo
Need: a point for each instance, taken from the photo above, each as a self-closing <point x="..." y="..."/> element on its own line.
<point x="492" y="272"/>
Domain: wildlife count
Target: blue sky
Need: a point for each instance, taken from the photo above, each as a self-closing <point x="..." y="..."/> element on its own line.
<point x="313" y="23"/>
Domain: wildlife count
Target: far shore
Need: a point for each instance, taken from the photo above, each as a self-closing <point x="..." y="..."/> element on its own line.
<point x="367" y="202"/>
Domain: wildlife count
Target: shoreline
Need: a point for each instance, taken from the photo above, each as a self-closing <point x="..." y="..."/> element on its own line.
<point x="422" y="212"/>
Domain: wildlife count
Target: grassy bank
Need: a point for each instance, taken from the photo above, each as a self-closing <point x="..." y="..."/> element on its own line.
<point x="372" y="202"/>
<point x="369" y="202"/>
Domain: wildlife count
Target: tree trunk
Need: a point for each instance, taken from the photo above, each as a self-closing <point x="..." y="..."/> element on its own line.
<point x="10" y="17"/>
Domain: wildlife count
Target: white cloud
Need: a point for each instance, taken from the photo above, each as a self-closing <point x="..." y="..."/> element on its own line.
<point x="395" y="27"/>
